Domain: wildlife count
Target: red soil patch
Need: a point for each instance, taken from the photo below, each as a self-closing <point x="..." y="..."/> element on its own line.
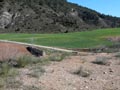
<point x="10" y="50"/>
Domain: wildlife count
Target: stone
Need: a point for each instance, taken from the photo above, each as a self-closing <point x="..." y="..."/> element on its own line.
<point x="35" y="52"/>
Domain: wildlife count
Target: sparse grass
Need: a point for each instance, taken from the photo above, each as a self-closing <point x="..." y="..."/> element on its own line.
<point x="83" y="72"/>
<point x="26" y="60"/>
<point x="31" y="88"/>
<point x="101" y="60"/>
<point x="88" y="39"/>
<point x="12" y="83"/>
<point x="6" y="72"/>
<point x="57" y="56"/>
<point x="36" y="71"/>
<point x="9" y="67"/>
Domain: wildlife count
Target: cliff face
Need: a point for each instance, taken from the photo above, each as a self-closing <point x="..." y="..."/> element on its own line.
<point x="50" y="16"/>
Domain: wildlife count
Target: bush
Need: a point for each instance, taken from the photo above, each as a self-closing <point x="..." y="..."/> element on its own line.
<point x="36" y="71"/>
<point x="83" y="72"/>
<point x="2" y="83"/>
<point x="117" y="55"/>
<point x="57" y="57"/>
<point x="26" y="60"/>
<point x="4" y="69"/>
<point x="31" y="88"/>
<point x="101" y="61"/>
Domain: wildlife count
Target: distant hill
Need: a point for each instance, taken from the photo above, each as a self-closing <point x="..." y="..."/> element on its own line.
<point x="50" y="16"/>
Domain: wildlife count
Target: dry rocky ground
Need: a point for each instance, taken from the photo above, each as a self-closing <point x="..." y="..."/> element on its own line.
<point x="77" y="73"/>
<point x="85" y="71"/>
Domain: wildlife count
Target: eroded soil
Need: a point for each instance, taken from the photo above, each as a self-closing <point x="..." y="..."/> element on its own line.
<point x="9" y="50"/>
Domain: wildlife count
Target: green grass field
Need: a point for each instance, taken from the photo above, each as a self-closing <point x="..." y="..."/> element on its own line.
<point x="86" y="39"/>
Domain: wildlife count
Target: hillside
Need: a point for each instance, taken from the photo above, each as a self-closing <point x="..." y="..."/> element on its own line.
<point x="50" y="16"/>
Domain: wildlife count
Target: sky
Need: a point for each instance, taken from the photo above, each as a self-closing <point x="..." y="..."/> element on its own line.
<point x="108" y="7"/>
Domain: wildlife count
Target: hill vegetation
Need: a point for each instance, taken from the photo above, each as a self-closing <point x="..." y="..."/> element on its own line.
<point x="50" y="16"/>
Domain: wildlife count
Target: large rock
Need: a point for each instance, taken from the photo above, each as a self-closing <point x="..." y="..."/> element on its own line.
<point x="35" y="52"/>
<point x="5" y="19"/>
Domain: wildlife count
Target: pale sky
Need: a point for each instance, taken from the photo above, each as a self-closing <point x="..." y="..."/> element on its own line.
<point x="108" y="7"/>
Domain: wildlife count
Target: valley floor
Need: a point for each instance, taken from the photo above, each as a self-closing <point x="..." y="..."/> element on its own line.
<point x="84" y="71"/>
<point x="77" y="73"/>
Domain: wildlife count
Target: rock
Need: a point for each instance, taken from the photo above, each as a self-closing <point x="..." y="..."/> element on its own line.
<point x="110" y="70"/>
<point x="35" y="52"/>
<point x="5" y="19"/>
<point x="104" y="72"/>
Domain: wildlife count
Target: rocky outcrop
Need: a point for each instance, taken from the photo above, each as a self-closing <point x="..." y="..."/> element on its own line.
<point x="5" y="19"/>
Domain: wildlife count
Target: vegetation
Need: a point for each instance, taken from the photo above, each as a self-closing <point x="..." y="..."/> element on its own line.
<point x="10" y="67"/>
<point x="102" y="61"/>
<point x="50" y="16"/>
<point x="117" y="55"/>
<point x="86" y="39"/>
<point x="83" y="72"/>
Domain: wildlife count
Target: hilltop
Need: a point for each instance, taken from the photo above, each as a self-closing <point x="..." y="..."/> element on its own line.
<point x="50" y="16"/>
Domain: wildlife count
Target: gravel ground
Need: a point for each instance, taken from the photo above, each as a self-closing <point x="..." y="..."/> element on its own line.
<point x="61" y="75"/>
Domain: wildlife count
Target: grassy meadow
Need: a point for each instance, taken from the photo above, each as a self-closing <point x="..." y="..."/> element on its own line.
<point x="87" y="39"/>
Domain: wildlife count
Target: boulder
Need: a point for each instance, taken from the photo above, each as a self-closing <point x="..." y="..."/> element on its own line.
<point x="34" y="51"/>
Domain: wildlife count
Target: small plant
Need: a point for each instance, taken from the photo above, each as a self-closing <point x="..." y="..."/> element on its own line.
<point x="26" y="60"/>
<point x="117" y="55"/>
<point x="2" y="83"/>
<point x="4" y="69"/>
<point x="31" y="88"/>
<point x="57" y="56"/>
<point x="101" y="61"/>
<point x="6" y="72"/>
<point x="12" y="83"/>
<point x="36" y="71"/>
<point x="82" y="72"/>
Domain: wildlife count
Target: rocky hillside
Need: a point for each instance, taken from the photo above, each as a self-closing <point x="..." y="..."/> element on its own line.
<point x="50" y="16"/>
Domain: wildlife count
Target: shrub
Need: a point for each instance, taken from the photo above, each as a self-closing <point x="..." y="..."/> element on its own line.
<point x="31" y="88"/>
<point x="4" y="69"/>
<point x="117" y="55"/>
<point x="82" y="72"/>
<point x="12" y="83"/>
<point x="26" y="60"/>
<point x="2" y="83"/>
<point x="102" y="61"/>
<point x="36" y="71"/>
<point x="57" y="56"/>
